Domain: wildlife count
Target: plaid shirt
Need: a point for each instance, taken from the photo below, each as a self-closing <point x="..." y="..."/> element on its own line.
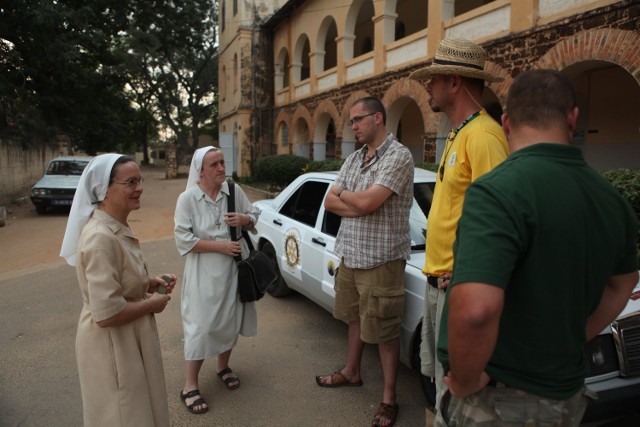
<point x="382" y="236"/>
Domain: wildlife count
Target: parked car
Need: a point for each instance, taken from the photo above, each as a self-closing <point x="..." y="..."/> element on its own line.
<point x="298" y="234"/>
<point x="58" y="185"/>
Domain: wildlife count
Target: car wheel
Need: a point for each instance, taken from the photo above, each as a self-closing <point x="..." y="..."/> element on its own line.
<point x="279" y="288"/>
<point x="41" y="210"/>
<point x="427" y="383"/>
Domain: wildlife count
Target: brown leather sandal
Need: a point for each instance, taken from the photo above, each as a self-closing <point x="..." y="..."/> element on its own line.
<point x="337" y="380"/>
<point x="385" y="411"/>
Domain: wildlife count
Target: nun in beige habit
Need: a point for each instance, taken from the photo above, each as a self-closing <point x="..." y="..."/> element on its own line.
<point x="117" y="345"/>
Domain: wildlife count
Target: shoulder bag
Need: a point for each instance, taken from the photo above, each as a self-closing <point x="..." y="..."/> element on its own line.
<point x="255" y="273"/>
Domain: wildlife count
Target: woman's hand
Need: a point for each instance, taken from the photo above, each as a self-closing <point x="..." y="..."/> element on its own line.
<point x="229" y="247"/>
<point x="236" y="219"/>
<point x="166" y="281"/>
<point x="158" y="302"/>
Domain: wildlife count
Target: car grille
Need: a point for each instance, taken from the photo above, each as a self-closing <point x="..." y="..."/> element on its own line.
<point x="626" y="333"/>
<point x="62" y="191"/>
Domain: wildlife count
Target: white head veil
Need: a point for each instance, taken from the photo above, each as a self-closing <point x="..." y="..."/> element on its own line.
<point x="91" y="190"/>
<point x="196" y="164"/>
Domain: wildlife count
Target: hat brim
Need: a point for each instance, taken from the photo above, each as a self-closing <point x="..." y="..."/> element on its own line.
<point x="454" y="70"/>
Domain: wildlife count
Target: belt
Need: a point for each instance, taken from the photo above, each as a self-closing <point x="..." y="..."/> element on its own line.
<point x="433" y="281"/>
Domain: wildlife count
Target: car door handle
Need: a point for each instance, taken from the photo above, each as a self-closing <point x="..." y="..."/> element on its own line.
<point x="319" y="241"/>
<point x="277" y="222"/>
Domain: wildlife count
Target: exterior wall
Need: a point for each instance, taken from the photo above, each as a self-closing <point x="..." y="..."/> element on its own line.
<point x="21" y="167"/>
<point x="242" y="101"/>
<point x="578" y="37"/>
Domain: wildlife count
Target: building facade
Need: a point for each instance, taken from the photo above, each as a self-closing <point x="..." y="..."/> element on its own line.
<point x="292" y="69"/>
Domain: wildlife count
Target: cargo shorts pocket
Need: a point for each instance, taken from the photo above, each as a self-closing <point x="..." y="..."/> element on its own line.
<point x="387" y="306"/>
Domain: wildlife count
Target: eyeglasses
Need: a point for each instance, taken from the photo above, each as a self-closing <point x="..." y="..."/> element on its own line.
<point x="356" y="119"/>
<point x="131" y="182"/>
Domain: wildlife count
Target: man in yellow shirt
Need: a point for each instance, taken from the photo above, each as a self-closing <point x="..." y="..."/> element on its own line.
<point x="475" y="145"/>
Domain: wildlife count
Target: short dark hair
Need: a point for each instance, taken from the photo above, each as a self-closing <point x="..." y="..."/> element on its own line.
<point x="540" y="98"/>
<point x="121" y="161"/>
<point x="373" y="105"/>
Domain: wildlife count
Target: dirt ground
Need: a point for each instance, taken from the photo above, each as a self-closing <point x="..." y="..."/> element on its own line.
<point x="31" y="242"/>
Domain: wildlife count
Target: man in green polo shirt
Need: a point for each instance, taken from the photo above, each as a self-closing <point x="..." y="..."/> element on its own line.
<point x="545" y="258"/>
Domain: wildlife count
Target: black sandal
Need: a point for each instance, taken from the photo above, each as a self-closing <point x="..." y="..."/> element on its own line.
<point x="197" y="402"/>
<point x="232" y="382"/>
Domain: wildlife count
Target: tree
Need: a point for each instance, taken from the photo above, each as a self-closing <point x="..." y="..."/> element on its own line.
<point x="172" y="48"/>
<point x="57" y="73"/>
<point x="106" y="72"/>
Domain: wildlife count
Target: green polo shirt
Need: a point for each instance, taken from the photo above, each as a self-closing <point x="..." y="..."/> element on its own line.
<point x="550" y="231"/>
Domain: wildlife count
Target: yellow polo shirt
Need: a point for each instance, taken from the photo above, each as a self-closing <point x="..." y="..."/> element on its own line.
<point x="478" y="147"/>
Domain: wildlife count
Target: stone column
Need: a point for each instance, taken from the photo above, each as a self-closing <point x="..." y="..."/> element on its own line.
<point x="319" y="150"/>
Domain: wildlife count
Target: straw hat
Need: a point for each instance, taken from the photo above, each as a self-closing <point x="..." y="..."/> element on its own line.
<point x="458" y="57"/>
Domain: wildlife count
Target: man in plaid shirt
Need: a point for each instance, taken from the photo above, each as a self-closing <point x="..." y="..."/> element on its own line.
<point x="373" y="194"/>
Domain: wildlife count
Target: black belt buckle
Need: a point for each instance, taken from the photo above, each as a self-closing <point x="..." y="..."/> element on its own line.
<point x="433" y="281"/>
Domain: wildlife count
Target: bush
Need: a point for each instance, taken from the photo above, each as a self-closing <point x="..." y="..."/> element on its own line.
<point x="433" y="167"/>
<point x="627" y="182"/>
<point x="324" y="166"/>
<point x="280" y="170"/>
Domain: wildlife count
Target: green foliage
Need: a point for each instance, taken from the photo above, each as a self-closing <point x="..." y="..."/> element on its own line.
<point x="170" y="53"/>
<point x="627" y="182"/>
<point x="280" y="170"/>
<point x="433" y="167"/>
<point x="324" y="166"/>
<point x="105" y="72"/>
<point x="57" y="73"/>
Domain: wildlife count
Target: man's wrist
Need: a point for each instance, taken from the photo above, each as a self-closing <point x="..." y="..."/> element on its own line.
<point x="340" y="192"/>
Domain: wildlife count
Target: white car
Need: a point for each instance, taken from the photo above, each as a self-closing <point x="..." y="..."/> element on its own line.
<point x="299" y="234"/>
<point x="58" y="185"/>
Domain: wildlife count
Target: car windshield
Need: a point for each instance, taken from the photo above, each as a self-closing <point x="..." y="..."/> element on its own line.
<point x="66" y="167"/>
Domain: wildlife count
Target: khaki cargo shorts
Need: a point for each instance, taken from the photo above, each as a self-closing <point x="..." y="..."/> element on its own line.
<point x="375" y="296"/>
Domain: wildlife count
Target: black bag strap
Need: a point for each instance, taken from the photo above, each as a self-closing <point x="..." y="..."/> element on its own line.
<point x="231" y="207"/>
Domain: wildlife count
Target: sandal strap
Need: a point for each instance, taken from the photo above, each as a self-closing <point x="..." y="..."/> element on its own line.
<point x="338" y="378"/>
<point x="224" y="372"/>
<point x="385" y="410"/>
<point x="231" y="380"/>
<point x="198" y="402"/>
<point x="192" y="393"/>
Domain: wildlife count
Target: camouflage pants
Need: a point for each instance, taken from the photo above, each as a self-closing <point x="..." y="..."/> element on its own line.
<point x="506" y="406"/>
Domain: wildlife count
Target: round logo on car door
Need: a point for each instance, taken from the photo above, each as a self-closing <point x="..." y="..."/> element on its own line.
<point x="292" y="248"/>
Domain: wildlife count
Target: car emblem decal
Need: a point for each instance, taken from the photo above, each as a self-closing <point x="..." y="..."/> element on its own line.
<point x="292" y="248"/>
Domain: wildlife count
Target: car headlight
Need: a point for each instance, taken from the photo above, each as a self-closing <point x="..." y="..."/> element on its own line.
<point x="40" y="192"/>
<point x="601" y="355"/>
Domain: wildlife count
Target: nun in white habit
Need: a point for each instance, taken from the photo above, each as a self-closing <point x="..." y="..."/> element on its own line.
<point x="212" y="314"/>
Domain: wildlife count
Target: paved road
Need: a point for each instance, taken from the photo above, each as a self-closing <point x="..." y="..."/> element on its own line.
<point x="296" y="340"/>
<point x="39" y="307"/>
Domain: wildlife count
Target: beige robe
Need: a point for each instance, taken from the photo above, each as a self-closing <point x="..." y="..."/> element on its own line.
<point x="120" y="368"/>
